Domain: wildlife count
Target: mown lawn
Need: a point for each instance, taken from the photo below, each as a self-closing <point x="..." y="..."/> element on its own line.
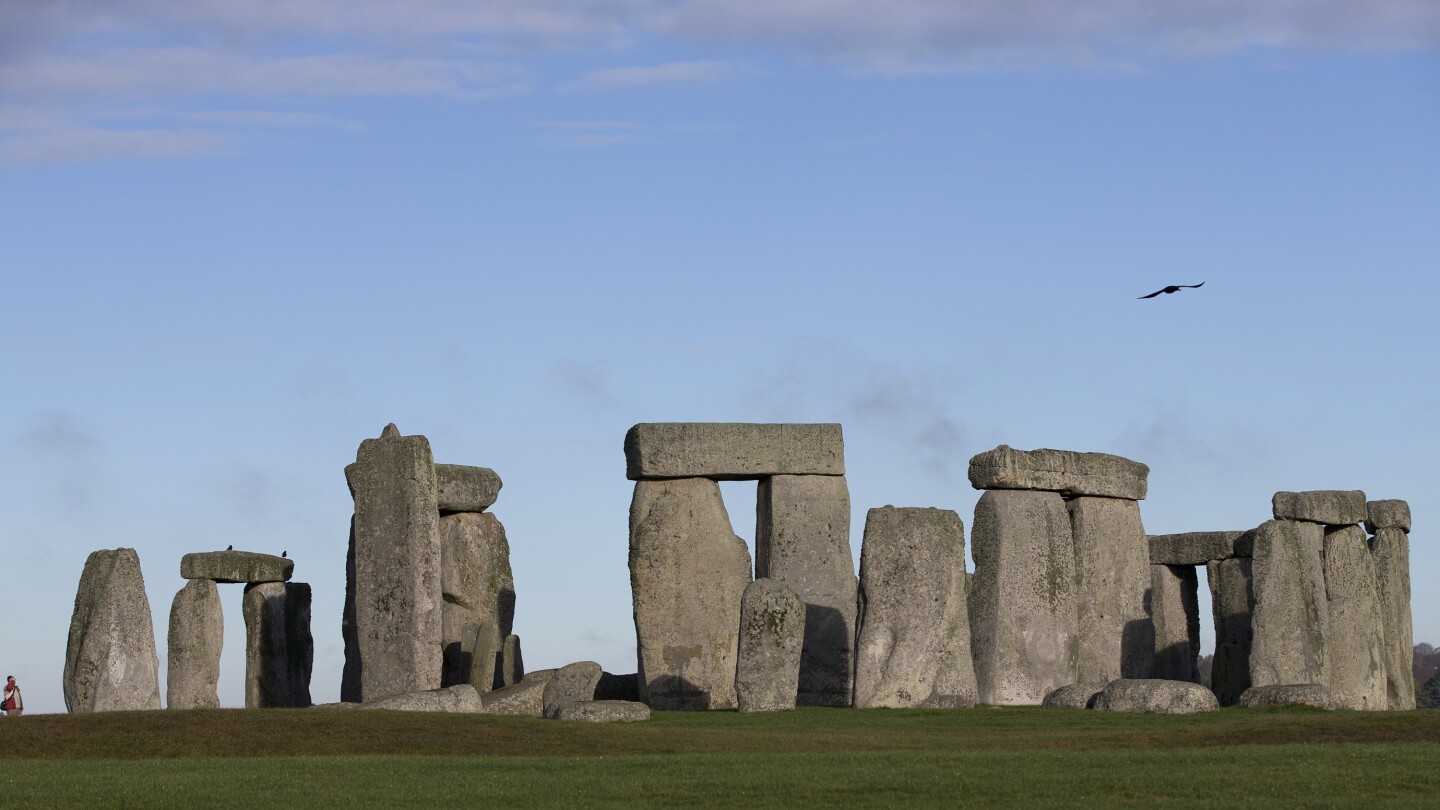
<point x="810" y="757"/>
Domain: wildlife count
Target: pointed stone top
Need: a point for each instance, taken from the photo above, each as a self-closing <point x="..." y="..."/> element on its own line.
<point x="390" y="432"/>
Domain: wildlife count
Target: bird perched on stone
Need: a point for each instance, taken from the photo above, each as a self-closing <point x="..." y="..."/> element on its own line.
<point x="1171" y="289"/>
<point x="230" y="547"/>
<point x="284" y="553"/>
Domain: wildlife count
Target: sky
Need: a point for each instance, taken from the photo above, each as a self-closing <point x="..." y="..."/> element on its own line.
<point x="237" y="238"/>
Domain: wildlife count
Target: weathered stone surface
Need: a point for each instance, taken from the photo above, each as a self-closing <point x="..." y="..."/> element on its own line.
<point x="236" y="567"/>
<point x="110" y="660"/>
<point x="914" y="644"/>
<point x="459" y="488"/>
<point x="524" y="699"/>
<point x="1112" y="574"/>
<point x="1390" y="514"/>
<point x="1155" y="696"/>
<point x="512" y="663"/>
<point x="1391" y="550"/>
<point x="479" y="589"/>
<point x="1074" y="696"/>
<point x="397" y="618"/>
<point x="1232" y="603"/>
<point x="688" y="572"/>
<point x="802" y="540"/>
<point x="1175" y="611"/>
<point x="602" y="711"/>
<point x="458" y="699"/>
<point x="772" y="630"/>
<point x="1289" y="694"/>
<point x="1062" y="471"/>
<point x="1291" y="618"/>
<point x="279" y="650"/>
<point x="1199" y="548"/>
<point x="571" y="682"/>
<point x="732" y="451"/>
<point x="1355" y="645"/>
<point x="1333" y="507"/>
<point x="1025" y="618"/>
<point x="618" y="687"/>
<point x="197" y="633"/>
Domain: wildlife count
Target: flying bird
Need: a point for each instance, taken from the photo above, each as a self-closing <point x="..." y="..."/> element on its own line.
<point x="1171" y="289"/>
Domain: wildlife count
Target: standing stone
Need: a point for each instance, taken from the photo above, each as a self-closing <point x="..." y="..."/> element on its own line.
<point x="802" y="539"/>
<point x="1112" y="573"/>
<point x="279" y="650"/>
<point x="512" y="663"/>
<point x="732" y="451"/>
<point x="1355" y="645"/>
<point x="197" y="633"/>
<point x="1175" y="610"/>
<point x="1025" y="622"/>
<point x="1333" y="507"/>
<point x="914" y="645"/>
<point x="772" y="632"/>
<point x="396" y="585"/>
<point x="1062" y="471"/>
<point x="571" y="683"/>
<point x="478" y="588"/>
<point x="1291" y="612"/>
<point x="110" y="660"/>
<point x="1391" y="550"/>
<point x="1232" y="602"/>
<point x="688" y="572"/>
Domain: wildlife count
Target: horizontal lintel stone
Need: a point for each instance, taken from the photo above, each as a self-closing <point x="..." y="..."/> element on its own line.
<point x="1199" y="548"/>
<point x="236" y="567"/>
<point x="1391" y="514"/>
<point x="1333" y="507"/>
<point x="732" y="451"/>
<point x="459" y="488"/>
<point x="1063" y="471"/>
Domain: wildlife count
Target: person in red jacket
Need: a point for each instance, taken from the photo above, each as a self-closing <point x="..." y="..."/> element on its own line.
<point x="13" y="704"/>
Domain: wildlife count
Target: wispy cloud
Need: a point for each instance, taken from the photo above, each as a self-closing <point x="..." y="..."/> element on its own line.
<point x="82" y="145"/>
<point x="668" y="73"/>
<point x="59" y="444"/>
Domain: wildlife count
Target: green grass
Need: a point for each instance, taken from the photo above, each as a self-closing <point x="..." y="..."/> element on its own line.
<point x="815" y="757"/>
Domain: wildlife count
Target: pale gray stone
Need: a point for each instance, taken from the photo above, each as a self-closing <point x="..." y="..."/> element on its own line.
<point x="1291" y="618"/>
<point x="1155" y="696"/>
<point x="732" y="451"/>
<point x="1288" y="694"/>
<point x="524" y="699"/>
<point x="197" y="633"/>
<point x="1355" y="645"/>
<point x="772" y="631"/>
<point x="571" y="682"/>
<point x="602" y="711"/>
<point x="459" y="488"/>
<point x="1391" y="550"/>
<point x="1074" y="696"/>
<point x="802" y="540"/>
<point x="279" y="650"/>
<point x="476" y="582"/>
<point x="236" y="567"/>
<point x="1062" y="471"/>
<point x="512" y="663"/>
<point x="397" y="619"/>
<point x="688" y="572"/>
<point x="1199" y="548"/>
<point x="110" y="660"/>
<point x="1232" y="602"/>
<point x="1025" y="618"/>
<point x="458" y="699"/>
<point x="618" y="687"/>
<point x="1112" y="574"/>
<point x="1333" y="507"/>
<point x="1389" y="514"/>
<point x="1175" y="611"/>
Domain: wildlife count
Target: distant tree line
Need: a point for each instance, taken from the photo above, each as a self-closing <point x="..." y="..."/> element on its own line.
<point x="1427" y="676"/>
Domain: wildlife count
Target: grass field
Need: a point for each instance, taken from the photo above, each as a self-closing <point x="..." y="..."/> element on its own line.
<point x="809" y="757"/>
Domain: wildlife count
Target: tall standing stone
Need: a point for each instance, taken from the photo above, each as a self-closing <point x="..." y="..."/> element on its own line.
<point x="478" y="588"/>
<point x="396" y="588"/>
<point x="802" y="539"/>
<point x="1175" y="610"/>
<point x="1232" y="602"/>
<point x="1291" y="612"/>
<point x="688" y="572"/>
<point x="1025" y="617"/>
<point x="1112" y="574"/>
<point x="914" y="645"/>
<point x="1355" y="645"/>
<point x="772" y="631"/>
<point x="1391" y="549"/>
<point x="110" y="660"/>
<point x="279" y="649"/>
<point x="197" y="633"/>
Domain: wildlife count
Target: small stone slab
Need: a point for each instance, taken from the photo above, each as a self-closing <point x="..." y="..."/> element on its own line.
<point x="1199" y="548"/>
<point x="601" y="711"/>
<point x="459" y="699"/>
<point x="1074" y="696"/>
<point x="1288" y="694"/>
<point x="524" y="699"/>
<point x="732" y="451"/>
<point x="772" y="630"/>
<point x="246" y="567"/>
<point x="572" y="682"/>
<point x="1155" y="696"/>
<point x="459" y="488"/>
<point x="1390" y="514"/>
<point x="1063" y="471"/>
<point x="1333" y="507"/>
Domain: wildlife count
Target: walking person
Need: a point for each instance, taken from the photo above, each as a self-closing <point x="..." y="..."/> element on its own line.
<point x="13" y="704"/>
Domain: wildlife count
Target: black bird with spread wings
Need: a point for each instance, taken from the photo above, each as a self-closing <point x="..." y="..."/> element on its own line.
<point x="1171" y="289"/>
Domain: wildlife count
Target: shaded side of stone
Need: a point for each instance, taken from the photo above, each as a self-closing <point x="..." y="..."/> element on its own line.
<point x="1291" y="618"/>
<point x="1063" y="471"/>
<point x="570" y="683"/>
<point x="350" y="674"/>
<point x="1355" y="645"/>
<point x="110" y="659"/>
<point x="1388" y="514"/>
<point x="279" y="649"/>
<point x="197" y="634"/>
<point x="618" y="687"/>
<point x="524" y="699"/>
<point x="478" y="588"/>
<point x="772" y="631"/>
<point x="236" y="567"/>
<point x="1333" y="507"/>
<point x="1391" y="550"/>
<point x="1232" y="602"/>
<point x="460" y="488"/>
<point x="512" y="662"/>
<point x="1199" y="548"/>
<point x="1175" y="611"/>
<point x="1291" y="694"/>
<point x="1155" y="696"/>
<point x="732" y="451"/>
<point x="1074" y="696"/>
<point x="602" y="711"/>
<point x="1112" y="575"/>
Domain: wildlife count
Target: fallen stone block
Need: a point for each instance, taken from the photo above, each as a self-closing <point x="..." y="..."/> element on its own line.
<point x="1355" y="645"/>
<point x="1390" y="514"/>
<point x="732" y="451"/>
<point x="110" y="660"/>
<point x="602" y="711"/>
<point x="772" y="630"/>
<point x="1154" y="696"/>
<point x="1333" y="507"/>
<point x="459" y="699"/>
<point x="1063" y="471"/>
<point x="1175" y="613"/>
<point x="1112" y="575"/>
<point x="197" y="633"/>
<point x="279" y="650"/>
<point x="1289" y="694"/>
<point x="524" y="699"/>
<point x="459" y="488"/>
<point x="236" y="567"/>
<point x="1232" y="602"/>
<point x="1391" y="550"/>
<point x="1291" y="617"/>
<point x="1074" y="696"/>
<point x="1199" y="548"/>
<point x="572" y="682"/>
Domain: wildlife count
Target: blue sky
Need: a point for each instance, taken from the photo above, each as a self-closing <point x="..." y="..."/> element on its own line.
<point x="238" y="238"/>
